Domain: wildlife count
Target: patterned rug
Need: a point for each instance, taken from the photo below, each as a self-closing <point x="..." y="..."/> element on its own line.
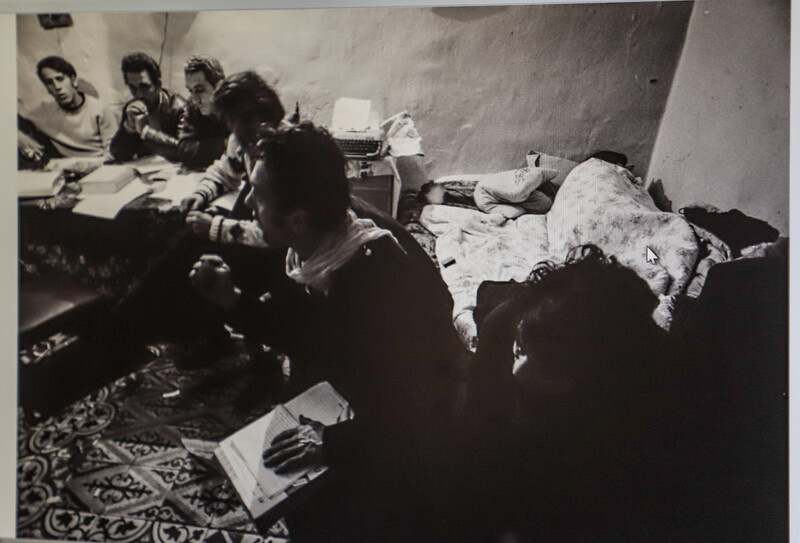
<point x="112" y="466"/>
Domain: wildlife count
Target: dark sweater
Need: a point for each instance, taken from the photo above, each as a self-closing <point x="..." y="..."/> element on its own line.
<point x="201" y="139"/>
<point x="381" y="340"/>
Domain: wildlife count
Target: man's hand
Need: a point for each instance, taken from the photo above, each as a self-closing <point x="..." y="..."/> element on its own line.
<point x="29" y="147"/>
<point x="193" y="202"/>
<point x="211" y="276"/>
<point x="136" y="117"/>
<point x="199" y="223"/>
<point x="296" y="448"/>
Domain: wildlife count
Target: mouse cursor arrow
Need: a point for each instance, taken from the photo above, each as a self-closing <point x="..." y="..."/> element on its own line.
<point x="650" y="256"/>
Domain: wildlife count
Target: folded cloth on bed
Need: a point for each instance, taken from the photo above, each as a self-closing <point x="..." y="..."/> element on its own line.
<point x="473" y="247"/>
<point x="513" y="193"/>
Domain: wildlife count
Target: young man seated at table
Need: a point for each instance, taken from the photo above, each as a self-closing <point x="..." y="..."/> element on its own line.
<point x="150" y="121"/>
<point x="73" y="124"/>
<point x="356" y="312"/>
<point x="202" y="135"/>
<point x="244" y="102"/>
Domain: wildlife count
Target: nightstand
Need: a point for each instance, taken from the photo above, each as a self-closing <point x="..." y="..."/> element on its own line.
<point x="377" y="182"/>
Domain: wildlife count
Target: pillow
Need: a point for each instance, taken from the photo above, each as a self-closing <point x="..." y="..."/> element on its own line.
<point x="499" y="192"/>
<point x="562" y="167"/>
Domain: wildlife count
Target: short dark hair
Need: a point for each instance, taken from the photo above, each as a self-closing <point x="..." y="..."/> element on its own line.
<point x="611" y="157"/>
<point x="55" y="63"/>
<point x="138" y="62"/>
<point x="593" y="304"/>
<point x="308" y="172"/>
<point x="247" y="96"/>
<point x="209" y="66"/>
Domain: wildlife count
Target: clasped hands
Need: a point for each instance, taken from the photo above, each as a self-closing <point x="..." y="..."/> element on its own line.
<point x="136" y="117"/>
<point x="199" y="223"/>
<point x="211" y="276"/>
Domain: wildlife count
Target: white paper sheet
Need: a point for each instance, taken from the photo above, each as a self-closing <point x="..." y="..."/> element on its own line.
<point x="351" y="114"/>
<point x="152" y="164"/>
<point x="402" y="135"/>
<point x="178" y="187"/>
<point x="226" y="201"/>
<point x="107" y="206"/>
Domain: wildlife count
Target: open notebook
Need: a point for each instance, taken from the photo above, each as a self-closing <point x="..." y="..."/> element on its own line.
<point x="265" y="493"/>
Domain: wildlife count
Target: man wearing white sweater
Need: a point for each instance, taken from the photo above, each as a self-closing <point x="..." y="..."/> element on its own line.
<point x="76" y="124"/>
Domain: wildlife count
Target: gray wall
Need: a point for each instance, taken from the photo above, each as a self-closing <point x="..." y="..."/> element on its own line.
<point x="484" y="84"/>
<point x="724" y="139"/>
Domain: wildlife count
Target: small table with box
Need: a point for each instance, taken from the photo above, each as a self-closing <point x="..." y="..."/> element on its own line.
<point x="377" y="182"/>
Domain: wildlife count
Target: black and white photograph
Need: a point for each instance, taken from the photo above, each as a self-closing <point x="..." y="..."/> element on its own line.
<point x="490" y="273"/>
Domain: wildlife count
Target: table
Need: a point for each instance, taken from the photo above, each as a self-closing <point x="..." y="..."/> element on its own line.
<point x="376" y="181"/>
<point x="106" y="254"/>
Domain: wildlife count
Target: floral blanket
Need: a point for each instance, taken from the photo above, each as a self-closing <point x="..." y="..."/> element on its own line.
<point x="598" y="203"/>
<point x="604" y="204"/>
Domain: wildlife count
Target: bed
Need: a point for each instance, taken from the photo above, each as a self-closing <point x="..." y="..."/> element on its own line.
<point x="594" y="202"/>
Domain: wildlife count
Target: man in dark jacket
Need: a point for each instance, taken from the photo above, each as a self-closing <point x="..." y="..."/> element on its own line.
<point x="357" y="312"/>
<point x="202" y="134"/>
<point x="150" y="121"/>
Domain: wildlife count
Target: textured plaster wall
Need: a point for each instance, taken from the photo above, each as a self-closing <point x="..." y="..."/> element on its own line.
<point x="484" y="84"/>
<point x="94" y="44"/>
<point x="724" y="139"/>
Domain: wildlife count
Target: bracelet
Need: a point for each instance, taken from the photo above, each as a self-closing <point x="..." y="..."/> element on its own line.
<point x="216" y="226"/>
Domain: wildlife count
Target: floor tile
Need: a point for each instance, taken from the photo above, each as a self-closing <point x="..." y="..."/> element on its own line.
<point x="33" y="502"/>
<point x="139" y="489"/>
<point x="160" y="407"/>
<point x="130" y="416"/>
<point x="205" y="500"/>
<point x="168" y="532"/>
<point x="119" y="488"/>
<point x="204" y="425"/>
<point x="231" y="536"/>
<point x="112" y="467"/>
<point x="69" y="524"/>
<point x="137" y="445"/>
<point x="121" y="530"/>
<point x="163" y="512"/>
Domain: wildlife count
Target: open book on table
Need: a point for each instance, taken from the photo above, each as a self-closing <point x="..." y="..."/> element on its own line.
<point x="265" y="493"/>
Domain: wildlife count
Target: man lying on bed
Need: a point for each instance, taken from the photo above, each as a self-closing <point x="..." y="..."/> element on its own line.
<point x="362" y="317"/>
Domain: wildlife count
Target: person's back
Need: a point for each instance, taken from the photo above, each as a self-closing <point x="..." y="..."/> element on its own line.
<point x="605" y="436"/>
